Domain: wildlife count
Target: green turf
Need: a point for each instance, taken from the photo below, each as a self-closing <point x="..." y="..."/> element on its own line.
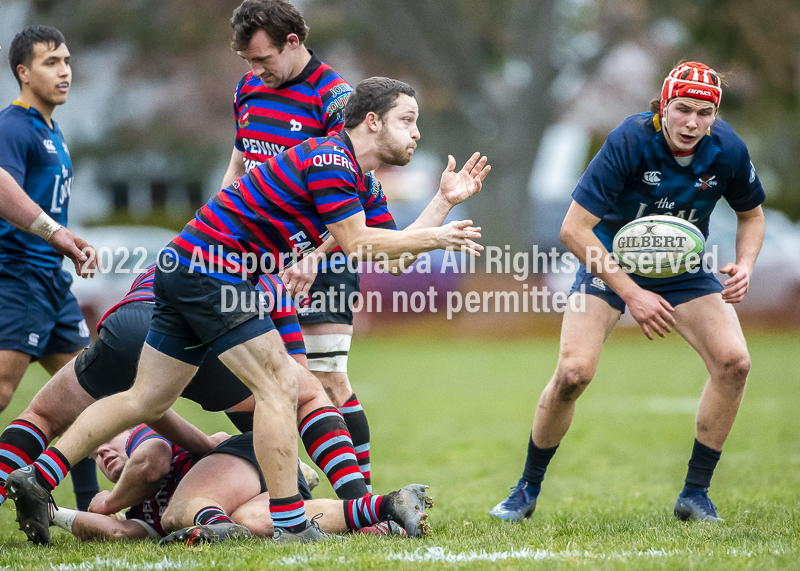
<point x="456" y="414"/>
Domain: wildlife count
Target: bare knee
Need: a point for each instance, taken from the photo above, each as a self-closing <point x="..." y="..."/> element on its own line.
<point x="284" y="373"/>
<point x="571" y="380"/>
<point x="733" y="370"/>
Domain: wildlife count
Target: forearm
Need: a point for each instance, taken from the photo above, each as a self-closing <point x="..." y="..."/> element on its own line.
<point x="378" y="244"/>
<point x="749" y="237"/>
<point x="433" y="215"/>
<point x="98" y="527"/>
<point x="131" y="489"/>
<point x="183" y="433"/>
<point x="589" y="250"/>
<point x="235" y="168"/>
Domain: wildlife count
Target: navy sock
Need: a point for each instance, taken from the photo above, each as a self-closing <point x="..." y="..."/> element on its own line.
<point x="536" y="464"/>
<point x="701" y="468"/>
<point x="84" y="483"/>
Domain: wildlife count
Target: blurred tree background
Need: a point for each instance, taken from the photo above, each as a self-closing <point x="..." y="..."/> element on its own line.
<point x="491" y="76"/>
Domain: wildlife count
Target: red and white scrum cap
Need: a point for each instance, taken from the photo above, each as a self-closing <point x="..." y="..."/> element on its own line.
<point x="691" y="79"/>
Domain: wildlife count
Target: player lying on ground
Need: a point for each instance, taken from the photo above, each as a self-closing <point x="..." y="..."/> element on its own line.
<point x="679" y="159"/>
<point x="167" y="488"/>
<point x="109" y="367"/>
<point x="288" y="204"/>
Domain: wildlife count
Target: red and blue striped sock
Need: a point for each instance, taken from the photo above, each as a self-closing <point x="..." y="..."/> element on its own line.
<point x="210" y="515"/>
<point x="328" y="443"/>
<point x="20" y="442"/>
<point x="358" y="425"/>
<point x="51" y="468"/>
<point x="365" y="511"/>
<point x="288" y="513"/>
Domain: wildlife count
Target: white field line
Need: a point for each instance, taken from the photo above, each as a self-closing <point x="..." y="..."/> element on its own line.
<point x="103" y="563"/>
<point x="422" y="555"/>
<point x="440" y="555"/>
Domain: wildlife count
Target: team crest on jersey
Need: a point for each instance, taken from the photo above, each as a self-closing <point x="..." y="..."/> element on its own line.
<point x="244" y="120"/>
<point x="376" y="189"/>
<point x="752" y="172"/>
<point x="653" y="178"/>
<point x="48" y="144"/>
<point x="705" y="181"/>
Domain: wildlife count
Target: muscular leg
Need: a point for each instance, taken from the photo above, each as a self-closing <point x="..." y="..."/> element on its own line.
<point x="84" y="473"/>
<point x="582" y="336"/>
<point x="99" y="527"/>
<point x="52" y="410"/>
<point x="330" y="368"/>
<point x="159" y="382"/>
<point x="13" y="365"/>
<point x="254" y="515"/>
<point x="269" y="372"/>
<point x="211" y="483"/>
<point x="712" y="328"/>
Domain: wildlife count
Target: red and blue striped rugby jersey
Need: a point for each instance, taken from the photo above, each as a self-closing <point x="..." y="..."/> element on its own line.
<point x="278" y="298"/>
<point x="270" y="121"/>
<point x="279" y="207"/>
<point x="153" y="508"/>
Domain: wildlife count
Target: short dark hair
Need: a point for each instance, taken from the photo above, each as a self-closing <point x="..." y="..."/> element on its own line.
<point x="277" y="18"/>
<point x="374" y="94"/>
<point x="21" y="50"/>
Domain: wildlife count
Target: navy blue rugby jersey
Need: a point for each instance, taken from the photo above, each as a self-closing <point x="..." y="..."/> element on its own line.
<point x="38" y="159"/>
<point x="635" y="174"/>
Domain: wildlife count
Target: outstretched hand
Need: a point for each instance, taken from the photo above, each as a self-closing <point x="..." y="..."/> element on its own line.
<point x="456" y="187"/>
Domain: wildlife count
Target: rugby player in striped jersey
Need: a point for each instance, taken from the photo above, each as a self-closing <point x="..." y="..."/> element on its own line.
<point x="290" y="204"/>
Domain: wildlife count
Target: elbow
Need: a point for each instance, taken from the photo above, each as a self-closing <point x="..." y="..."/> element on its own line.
<point x="566" y="234"/>
<point x="152" y="472"/>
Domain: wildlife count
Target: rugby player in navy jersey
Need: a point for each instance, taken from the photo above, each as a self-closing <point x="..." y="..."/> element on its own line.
<point x="679" y="159"/>
<point x="205" y="291"/>
<point x="288" y="97"/>
<point x="39" y="317"/>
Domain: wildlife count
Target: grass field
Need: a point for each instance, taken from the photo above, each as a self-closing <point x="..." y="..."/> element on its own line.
<point x="455" y="414"/>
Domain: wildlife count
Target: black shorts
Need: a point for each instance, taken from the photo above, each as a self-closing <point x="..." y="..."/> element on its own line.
<point x="108" y="366"/>
<point x="241" y="446"/>
<point x="200" y="309"/>
<point x="320" y="307"/>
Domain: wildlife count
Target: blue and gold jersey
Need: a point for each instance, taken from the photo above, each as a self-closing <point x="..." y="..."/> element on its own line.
<point x="38" y="159"/>
<point x="635" y="174"/>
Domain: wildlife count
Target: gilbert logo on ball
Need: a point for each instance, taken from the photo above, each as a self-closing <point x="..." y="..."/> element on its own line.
<point x="659" y="246"/>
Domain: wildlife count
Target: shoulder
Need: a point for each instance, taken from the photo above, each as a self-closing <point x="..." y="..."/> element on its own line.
<point x="328" y="83"/>
<point x="635" y="131"/>
<point x="728" y="141"/>
<point x="16" y="121"/>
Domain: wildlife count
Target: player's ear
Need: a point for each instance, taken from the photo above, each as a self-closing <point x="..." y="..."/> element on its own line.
<point x="22" y="72"/>
<point x="292" y="41"/>
<point x="372" y="121"/>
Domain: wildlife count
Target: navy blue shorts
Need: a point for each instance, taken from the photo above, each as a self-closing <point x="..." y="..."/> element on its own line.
<point x="108" y="366"/>
<point x="38" y="313"/>
<point x="344" y="283"/>
<point x="241" y="446"/>
<point x="192" y="318"/>
<point x="676" y="290"/>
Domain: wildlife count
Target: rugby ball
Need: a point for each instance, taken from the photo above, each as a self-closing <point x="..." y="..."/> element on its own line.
<point x="659" y="246"/>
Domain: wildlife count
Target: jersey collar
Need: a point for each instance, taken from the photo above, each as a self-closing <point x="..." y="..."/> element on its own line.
<point x="309" y="69"/>
<point x="33" y="111"/>
<point x="345" y="138"/>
